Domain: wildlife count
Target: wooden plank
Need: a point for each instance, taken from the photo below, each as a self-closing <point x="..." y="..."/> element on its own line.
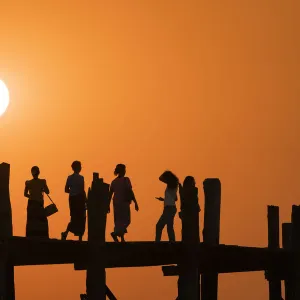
<point x="7" y="289"/>
<point x="220" y="258"/>
<point x="211" y="233"/>
<point x="287" y="245"/>
<point x="273" y="243"/>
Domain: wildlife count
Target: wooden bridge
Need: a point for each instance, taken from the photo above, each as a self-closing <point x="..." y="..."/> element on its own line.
<point x="196" y="264"/>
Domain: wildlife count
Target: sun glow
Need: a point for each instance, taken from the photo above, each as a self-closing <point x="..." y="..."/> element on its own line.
<point x="4" y="97"/>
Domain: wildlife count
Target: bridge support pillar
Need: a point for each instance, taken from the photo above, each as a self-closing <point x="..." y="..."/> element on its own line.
<point x="273" y="243"/>
<point x="211" y="233"/>
<point x="7" y="288"/>
<point x="97" y="213"/>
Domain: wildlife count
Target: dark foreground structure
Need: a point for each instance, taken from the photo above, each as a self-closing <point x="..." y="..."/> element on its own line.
<point x="196" y="264"/>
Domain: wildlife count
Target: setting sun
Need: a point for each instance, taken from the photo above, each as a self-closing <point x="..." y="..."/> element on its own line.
<point x="4" y="97"/>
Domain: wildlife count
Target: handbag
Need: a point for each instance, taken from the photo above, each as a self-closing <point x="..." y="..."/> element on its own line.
<point x="50" y="209"/>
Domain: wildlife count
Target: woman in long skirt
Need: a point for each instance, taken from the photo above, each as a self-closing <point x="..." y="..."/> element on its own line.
<point x="37" y="222"/>
<point x="123" y="195"/>
<point x="77" y="203"/>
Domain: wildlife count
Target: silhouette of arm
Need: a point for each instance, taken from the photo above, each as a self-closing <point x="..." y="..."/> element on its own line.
<point x="110" y="194"/>
<point x="84" y="190"/>
<point x="26" y="191"/>
<point x="67" y="187"/>
<point x="134" y="200"/>
<point x="46" y="189"/>
<point x="181" y="195"/>
<point x="133" y="196"/>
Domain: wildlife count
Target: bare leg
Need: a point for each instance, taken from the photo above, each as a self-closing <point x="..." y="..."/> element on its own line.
<point x="114" y="236"/>
<point x="122" y="238"/>
<point x="64" y="235"/>
<point x="160" y="226"/>
<point x="170" y="223"/>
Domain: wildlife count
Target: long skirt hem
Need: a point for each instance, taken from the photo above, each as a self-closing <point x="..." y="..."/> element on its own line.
<point x="37" y="222"/>
<point x="78" y="215"/>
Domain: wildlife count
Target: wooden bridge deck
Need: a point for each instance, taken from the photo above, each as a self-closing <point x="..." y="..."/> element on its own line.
<point x="221" y="258"/>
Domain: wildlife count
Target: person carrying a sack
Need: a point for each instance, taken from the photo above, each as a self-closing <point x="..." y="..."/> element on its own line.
<point x="122" y="193"/>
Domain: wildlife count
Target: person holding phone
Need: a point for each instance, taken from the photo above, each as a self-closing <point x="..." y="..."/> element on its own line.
<point x="169" y="211"/>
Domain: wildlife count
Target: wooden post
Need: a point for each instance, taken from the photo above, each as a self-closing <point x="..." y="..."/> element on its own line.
<point x="97" y="212"/>
<point x="273" y="243"/>
<point x="189" y="281"/>
<point x="295" y="282"/>
<point x="287" y="245"/>
<point x="211" y="233"/>
<point x="7" y="289"/>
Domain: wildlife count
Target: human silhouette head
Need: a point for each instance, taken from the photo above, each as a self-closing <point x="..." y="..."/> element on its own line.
<point x="189" y="182"/>
<point x="35" y="171"/>
<point x="170" y="179"/>
<point x="76" y="166"/>
<point x="120" y="170"/>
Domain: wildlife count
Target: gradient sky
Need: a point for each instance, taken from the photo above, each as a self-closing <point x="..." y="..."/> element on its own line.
<point x="204" y="88"/>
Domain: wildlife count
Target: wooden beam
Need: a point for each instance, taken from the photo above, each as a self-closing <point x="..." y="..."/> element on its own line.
<point x="273" y="243"/>
<point x="287" y="245"/>
<point x="170" y="270"/>
<point x="7" y="289"/>
<point x="97" y="211"/>
<point x="188" y="281"/>
<point x="295" y="283"/>
<point x="211" y="233"/>
<point x="110" y="294"/>
<point x="220" y="258"/>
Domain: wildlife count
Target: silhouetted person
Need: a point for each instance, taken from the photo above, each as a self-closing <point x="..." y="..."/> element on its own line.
<point x="189" y="210"/>
<point x="169" y="212"/>
<point x="123" y="195"/>
<point x="98" y="207"/>
<point x="77" y="202"/>
<point x="37" y="222"/>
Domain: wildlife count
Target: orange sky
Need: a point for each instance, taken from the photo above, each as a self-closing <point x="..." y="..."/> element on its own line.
<point x="207" y="88"/>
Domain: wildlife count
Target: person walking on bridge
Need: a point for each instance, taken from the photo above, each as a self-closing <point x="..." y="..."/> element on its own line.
<point x="123" y="195"/>
<point x="77" y="202"/>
